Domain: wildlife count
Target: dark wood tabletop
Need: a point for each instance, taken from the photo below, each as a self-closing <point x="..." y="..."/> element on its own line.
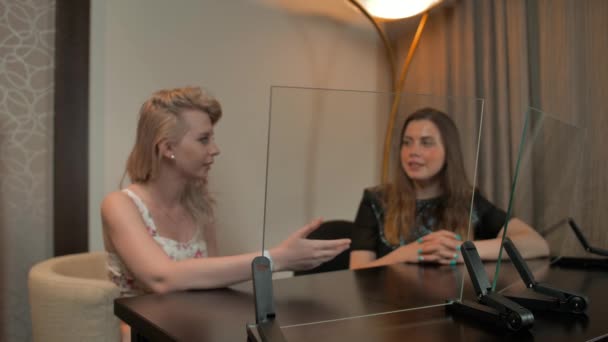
<point x="368" y="305"/>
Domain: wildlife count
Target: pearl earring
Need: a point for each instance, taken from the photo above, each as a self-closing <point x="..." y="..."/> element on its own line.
<point x="172" y="156"/>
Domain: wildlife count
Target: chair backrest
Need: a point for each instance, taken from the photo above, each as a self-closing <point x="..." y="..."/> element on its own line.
<point x="71" y="299"/>
<point x="329" y="230"/>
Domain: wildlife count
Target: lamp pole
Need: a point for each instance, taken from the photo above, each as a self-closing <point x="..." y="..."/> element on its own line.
<point x="396" y="85"/>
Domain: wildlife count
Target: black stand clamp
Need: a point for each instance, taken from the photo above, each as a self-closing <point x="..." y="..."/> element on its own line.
<point x="577" y="262"/>
<point x="266" y="327"/>
<point x="555" y="299"/>
<point x="490" y="306"/>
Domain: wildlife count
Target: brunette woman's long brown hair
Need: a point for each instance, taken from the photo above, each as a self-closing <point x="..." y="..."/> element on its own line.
<point x="159" y="119"/>
<point x="400" y="196"/>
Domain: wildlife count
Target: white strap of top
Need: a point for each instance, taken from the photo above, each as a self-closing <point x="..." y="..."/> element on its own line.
<point x="143" y="210"/>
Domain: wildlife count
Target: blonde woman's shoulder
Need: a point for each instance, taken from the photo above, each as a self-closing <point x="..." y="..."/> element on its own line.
<point x="115" y="204"/>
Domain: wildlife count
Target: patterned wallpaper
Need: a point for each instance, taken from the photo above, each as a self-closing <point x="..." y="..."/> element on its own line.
<point x="26" y="107"/>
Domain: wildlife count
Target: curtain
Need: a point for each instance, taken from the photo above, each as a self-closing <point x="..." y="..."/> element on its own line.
<point x="517" y="54"/>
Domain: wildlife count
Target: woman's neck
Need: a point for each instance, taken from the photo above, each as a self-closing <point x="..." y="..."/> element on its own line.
<point x="167" y="189"/>
<point x="427" y="190"/>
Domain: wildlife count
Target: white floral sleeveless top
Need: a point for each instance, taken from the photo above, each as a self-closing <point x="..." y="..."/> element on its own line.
<point x="122" y="277"/>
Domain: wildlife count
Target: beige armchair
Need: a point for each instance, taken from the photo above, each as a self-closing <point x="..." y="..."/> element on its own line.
<point x="71" y="299"/>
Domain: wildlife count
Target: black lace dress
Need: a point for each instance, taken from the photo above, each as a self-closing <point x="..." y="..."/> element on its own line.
<point x="368" y="233"/>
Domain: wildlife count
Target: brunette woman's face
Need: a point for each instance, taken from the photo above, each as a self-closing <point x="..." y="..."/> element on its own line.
<point x="195" y="152"/>
<point x="422" y="151"/>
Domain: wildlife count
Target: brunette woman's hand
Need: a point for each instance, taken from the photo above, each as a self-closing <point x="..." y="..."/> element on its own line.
<point x="299" y="253"/>
<point x="442" y="247"/>
<point x="406" y="253"/>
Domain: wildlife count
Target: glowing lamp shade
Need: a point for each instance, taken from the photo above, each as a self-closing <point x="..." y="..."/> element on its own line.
<point x="397" y="9"/>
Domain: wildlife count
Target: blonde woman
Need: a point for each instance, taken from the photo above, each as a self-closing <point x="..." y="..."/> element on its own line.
<point x="423" y="215"/>
<point x="159" y="231"/>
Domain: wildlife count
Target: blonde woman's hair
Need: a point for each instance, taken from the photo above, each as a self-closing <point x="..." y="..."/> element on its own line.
<point x="160" y="120"/>
<point x="400" y="197"/>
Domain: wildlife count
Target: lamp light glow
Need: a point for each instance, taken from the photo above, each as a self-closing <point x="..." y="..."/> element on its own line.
<point x="397" y="9"/>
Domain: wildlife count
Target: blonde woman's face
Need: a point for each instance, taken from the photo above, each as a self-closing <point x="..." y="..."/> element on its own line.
<point x="422" y="151"/>
<point x="195" y="152"/>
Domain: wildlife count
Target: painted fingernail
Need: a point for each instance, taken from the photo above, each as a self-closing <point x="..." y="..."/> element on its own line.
<point x="458" y="237"/>
<point x="458" y="247"/>
<point x="455" y="255"/>
<point x="420" y="251"/>
<point x="419" y="240"/>
<point x="420" y="258"/>
<point x="452" y="262"/>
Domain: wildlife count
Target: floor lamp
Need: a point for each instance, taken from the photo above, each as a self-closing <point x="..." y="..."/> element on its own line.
<point x="392" y="9"/>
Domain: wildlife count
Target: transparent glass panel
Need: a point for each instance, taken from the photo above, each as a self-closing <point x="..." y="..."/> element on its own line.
<point x="546" y="179"/>
<point x="324" y="148"/>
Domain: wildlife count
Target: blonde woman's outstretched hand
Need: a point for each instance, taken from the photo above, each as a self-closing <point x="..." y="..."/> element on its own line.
<point x="298" y="253"/>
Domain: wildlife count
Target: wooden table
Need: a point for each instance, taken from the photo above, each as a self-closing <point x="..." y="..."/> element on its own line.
<point x="329" y="298"/>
